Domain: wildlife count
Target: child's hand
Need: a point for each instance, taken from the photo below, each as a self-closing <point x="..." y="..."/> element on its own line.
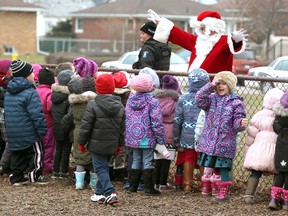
<point x="244" y="122"/>
<point x="81" y="148"/>
<point x="215" y="81"/>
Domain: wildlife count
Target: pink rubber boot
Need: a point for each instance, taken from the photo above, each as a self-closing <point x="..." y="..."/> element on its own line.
<point x="205" y="181"/>
<point x="215" y="181"/>
<point x="223" y="194"/>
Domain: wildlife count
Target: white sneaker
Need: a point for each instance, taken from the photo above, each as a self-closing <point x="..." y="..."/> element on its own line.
<point x="98" y="198"/>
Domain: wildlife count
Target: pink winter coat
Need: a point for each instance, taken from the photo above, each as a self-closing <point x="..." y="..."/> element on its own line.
<point x="261" y="139"/>
<point x="45" y="93"/>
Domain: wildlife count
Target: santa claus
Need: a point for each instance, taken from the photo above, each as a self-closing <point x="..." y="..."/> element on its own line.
<point x="211" y="49"/>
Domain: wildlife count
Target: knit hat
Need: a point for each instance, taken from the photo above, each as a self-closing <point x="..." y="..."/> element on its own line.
<point x="4" y="65"/>
<point x="170" y="82"/>
<point x="211" y="20"/>
<point x="88" y="84"/>
<point x="105" y="84"/>
<point x="46" y="76"/>
<point x="229" y="78"/>
<point x="149" y="28"/>
<point x="272" y="97"/>
<point x="75" y="85"/>
<point x="142" y="83"/>
<point x="153" y="74"/>
<point x="64" y="77"/>
<point x="21" y="68"/>
<point x="197" y="79"/>
<point x="120" y="79"/>
<point x="85" y="67"/>
<point x="36" y="69"/>
<point x="284" y="99"/>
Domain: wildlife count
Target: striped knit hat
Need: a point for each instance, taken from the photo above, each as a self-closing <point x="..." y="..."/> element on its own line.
<point x="21" y="68"/>
<point x="85" y="67"/>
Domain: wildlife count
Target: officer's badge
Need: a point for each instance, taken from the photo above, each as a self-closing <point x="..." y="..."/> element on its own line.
<point x="145" y="54"/>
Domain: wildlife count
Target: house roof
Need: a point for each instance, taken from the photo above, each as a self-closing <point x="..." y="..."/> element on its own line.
<point x="18" y="5"/>
<point x="138" y="8"/>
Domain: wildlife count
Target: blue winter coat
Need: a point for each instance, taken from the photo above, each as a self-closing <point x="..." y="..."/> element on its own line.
<point x="24" y="117"/>
<point x="223" y="121"/>
<point x="144" y="124"/>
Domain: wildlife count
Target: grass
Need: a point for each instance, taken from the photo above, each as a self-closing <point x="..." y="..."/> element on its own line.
<point x="39" y="59"/>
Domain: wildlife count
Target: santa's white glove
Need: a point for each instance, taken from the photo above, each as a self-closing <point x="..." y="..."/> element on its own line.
<point x="240" y="35"/>
<point x="153" y="16"/>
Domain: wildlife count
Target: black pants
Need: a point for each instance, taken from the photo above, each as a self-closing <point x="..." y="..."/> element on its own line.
<point x="281" y="179"/>
<point x="28" y="159"/>
<point x="161" y="171"/>
<point x="62" y="155"/>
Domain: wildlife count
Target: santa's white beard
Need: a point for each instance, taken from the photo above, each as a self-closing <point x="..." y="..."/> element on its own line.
<point x="205" y="43"/>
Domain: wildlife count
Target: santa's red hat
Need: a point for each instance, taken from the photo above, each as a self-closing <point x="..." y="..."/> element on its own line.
<point x="211" y="19"/>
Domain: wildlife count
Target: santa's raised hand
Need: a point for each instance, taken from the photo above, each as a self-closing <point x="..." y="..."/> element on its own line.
<point x="153" y="16"/>
<point x="240" y="35"/>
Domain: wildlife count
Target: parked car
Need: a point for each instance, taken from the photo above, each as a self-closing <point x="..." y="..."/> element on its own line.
<point x="278" y="68"/>
<point x="127" y="59"/>
<point x="241" y="62"/>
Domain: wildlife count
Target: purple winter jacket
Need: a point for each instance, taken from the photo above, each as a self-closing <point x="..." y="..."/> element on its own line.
<point x="144" y="125"/>
<point x="223" y="121"/>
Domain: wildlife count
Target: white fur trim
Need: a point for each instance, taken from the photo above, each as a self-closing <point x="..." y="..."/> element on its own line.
<point x="231" y="47"/>
<point x="163" y="30"/>
<point x="197" y="62"/>
<point x="214" y="24"/>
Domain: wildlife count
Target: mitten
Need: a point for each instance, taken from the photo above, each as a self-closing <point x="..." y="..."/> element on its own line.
<point x="215" y="82"/>
<point x="118" y="150"/>
<point x="81" y="148"/>
<point x="240" y="35"/>
<point x="244" y="122"/>
<point x="153" y="16"/>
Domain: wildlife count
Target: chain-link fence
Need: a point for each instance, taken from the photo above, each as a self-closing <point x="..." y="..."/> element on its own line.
<point x="252" y="92"/>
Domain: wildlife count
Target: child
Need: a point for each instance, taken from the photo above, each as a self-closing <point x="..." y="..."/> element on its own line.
<point x="280" y="126"/>
<point x="185" y="119"/>
<point x="25" y="125"/>
<point x="225" y="117"/>
<point x="79" y="101"/>
<point x="168" y="97"/>
<point x="45" y="80"/>
<point x="260" y="143"/>
<point x="102" y="128"/>
<point x="60" y="107"/>
<point x="144" y="128"/>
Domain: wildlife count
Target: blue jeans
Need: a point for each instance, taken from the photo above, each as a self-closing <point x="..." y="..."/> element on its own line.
<point x="143" y="158"/>
<point x="101" y="168"/>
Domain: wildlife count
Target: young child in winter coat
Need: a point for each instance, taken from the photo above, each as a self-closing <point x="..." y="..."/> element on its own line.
<point x="144" y="128"/>
<point x="25" y="125"/>
<point x="279" y="190"/>
<point x="168" y="97"/>
<point x="225" y="117"/>
<point x="185" y="119"/>
<point x="60" y="107"/>
<point x="45" y="80"/>
<point x="102" y="128"/>
<point x="260" y="144"/>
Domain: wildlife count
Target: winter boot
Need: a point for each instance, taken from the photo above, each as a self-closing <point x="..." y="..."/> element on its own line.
<point x="93" y="180"/>
<point x="285" y="195"/>
<point x="188" y="177"/>
<point x="134" y="179"/>
<point x="80" y="178"/>
<point x="276" y="193"/>
<point x="252" y="185"/>
<point x="149" y="183"/>
<point x="205" y="181"/>
<point x="215" y="181"/>
<point x="223" y="194"/>
<point x="179" y="181"/>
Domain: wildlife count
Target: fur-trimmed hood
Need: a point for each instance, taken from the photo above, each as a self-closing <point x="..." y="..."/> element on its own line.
<point x="120" y="91"/>
<point x="60" y="88"/>
<point x="280" y="110"/>
<point x="81" y="98"/>
<point x="159" y="93"/>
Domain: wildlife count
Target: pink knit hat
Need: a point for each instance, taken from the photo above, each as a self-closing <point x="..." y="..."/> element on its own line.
<point x="142" y="83"/>
<point x="4" y="65"/>
<point x="36" y="69"/>
<point x="85" y="67"/>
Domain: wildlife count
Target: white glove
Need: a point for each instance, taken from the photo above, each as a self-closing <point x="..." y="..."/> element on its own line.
<point x="153" y="16"/>
<point x="239" y="35"/>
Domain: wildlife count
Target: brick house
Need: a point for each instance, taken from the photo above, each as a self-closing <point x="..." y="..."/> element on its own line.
<point x="121" y="20"/>
<point x="18" y="22"/>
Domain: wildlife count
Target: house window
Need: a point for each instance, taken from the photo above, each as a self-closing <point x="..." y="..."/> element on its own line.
<point x="79" y="26"/>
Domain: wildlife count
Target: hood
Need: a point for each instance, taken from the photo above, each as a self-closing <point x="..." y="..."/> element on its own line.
<point x="139" y="100"/>
<point x="272" y="97"/>
<point x="280" y="110"/>
<point x="60" y="93"/>
<point x="160" y="93"/>
<point x="18" y="84"/>
<point x="110" y="104"/>
<point x="81" y="98"/>
<point x="197" y="79"/>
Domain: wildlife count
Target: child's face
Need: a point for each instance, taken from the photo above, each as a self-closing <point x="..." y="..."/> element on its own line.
<point x="222" y="88"/>
<point x="144" y="37"/>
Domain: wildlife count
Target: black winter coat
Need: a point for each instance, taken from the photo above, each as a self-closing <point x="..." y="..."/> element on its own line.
<point x="280" y="127"/>
<point x="103" y="125"/>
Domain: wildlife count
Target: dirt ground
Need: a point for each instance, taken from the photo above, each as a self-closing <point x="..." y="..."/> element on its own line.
<point x="61" y="198"/>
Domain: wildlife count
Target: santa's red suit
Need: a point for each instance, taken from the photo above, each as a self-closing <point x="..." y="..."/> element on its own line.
<point x="213" y="55"/>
